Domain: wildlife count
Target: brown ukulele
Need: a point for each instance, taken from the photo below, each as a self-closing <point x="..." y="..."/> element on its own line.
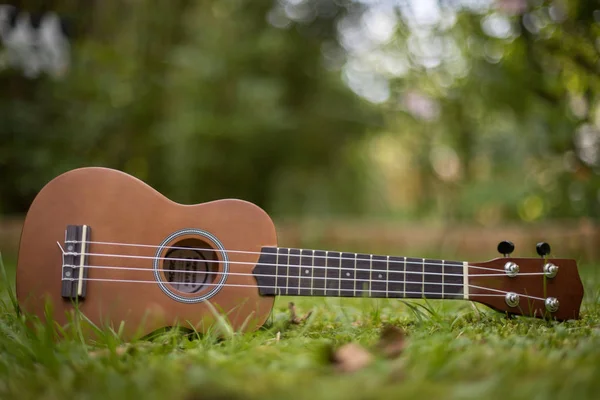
<point x="110" y="245"/>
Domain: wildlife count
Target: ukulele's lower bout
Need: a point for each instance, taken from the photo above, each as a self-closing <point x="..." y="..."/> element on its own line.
<point x="191" y="265"/>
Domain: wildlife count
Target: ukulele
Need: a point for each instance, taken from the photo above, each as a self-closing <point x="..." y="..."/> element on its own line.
<point x="105" y="243"/>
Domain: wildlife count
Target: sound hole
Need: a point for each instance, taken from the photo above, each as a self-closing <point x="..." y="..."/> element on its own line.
<point x="190" y="265"/>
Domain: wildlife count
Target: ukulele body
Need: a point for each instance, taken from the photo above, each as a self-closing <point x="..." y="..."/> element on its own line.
<point x="141" y="285"/>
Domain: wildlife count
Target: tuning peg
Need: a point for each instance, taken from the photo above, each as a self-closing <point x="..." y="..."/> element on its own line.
<point x="505" y="248"/>
<point x="543" y="249"/>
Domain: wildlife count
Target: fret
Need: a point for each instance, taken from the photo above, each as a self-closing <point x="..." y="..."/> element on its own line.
<point x="312" y="273"/>
<point x="325" y="264"/>
<point x="340" y="274"/>
<point x="370" y="273"/>
<point x="433" y="279"/>
<point x="465" y="281"/>
<point x="396" y="284"/>
<point x="443" y="283"/>
<point x="387" y="269"/>
<point x="379" y="276"/>
<point x="333" y="262"/>
<point x="319" y="272"/>
<point x="423" y="278"/>
<point x="354" y="286"/>
<point x="305" y="272"/>
<point x="277" y="267"/>
<point x="347" y="279"/>
<point x="294" y="272"/>
<point x="298" y="270"/>
<point x="285" y="267"/>
<point x="362" y="275"/>
<point x="404" y="279"/>
<point x="414" y="278"/>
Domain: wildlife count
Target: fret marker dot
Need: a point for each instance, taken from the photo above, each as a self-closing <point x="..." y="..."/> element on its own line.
<point x="306" y="271"/>
<point x="70" y="248"/>
<point x="380" y="276"/>
<point x="347" y="273"/>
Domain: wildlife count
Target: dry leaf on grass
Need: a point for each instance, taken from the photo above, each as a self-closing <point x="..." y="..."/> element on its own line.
<point x="350" y="358"/>
<point x="293" y="317"/>
<point x="392" y="341"/>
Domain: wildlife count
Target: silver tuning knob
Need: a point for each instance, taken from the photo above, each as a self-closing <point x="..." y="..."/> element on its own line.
<point x="511" y="269"/>
<point x="550" y="270"/>
<point x="551" y="304"/>
<point x="512" y="299"/>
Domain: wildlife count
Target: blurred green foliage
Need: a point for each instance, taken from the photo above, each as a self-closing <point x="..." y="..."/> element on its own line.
<point x="470" y="110"/>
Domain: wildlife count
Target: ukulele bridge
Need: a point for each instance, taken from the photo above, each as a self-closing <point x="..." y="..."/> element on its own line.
<point x="75" y="257"/>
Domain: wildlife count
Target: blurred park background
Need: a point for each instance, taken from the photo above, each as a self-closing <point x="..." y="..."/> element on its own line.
<point x="437" y="125"/>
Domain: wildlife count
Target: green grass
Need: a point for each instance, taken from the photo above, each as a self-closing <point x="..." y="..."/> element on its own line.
<point x="454" y="350"/>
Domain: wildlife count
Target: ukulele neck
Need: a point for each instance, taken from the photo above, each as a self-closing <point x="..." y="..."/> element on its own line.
<point x="295" y="272"/>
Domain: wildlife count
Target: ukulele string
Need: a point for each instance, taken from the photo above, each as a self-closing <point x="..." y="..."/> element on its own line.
<point x="288" y="288"/>
<point x="307" y="267"/>
<point x="370" y="281"/>
<point x="455" y="264"/>
<point x="108" y="267"/>
<point x="354" y="259"/>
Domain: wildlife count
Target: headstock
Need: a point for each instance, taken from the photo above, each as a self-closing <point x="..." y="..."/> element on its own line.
<point x="535" y="287"/>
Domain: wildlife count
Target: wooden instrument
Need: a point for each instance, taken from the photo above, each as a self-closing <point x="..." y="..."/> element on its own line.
<point x="110" y="245"/>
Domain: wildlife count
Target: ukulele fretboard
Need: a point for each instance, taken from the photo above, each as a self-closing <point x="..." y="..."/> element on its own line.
<point x="295" y="272"/>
